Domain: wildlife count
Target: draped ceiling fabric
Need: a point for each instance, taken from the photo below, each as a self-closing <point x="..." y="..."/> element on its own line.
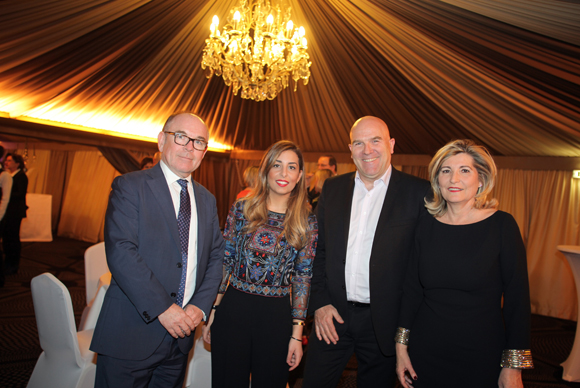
<point x="506" y="73"/>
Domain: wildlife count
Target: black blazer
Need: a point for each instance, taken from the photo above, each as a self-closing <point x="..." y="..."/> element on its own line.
<point x="392" y="248"/>
<point x="17" y="205"/>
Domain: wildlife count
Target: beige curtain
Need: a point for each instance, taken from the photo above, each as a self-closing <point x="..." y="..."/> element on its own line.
<point x="57" y="179"/>
<point x="38" y="164"/>
<point x="85" y="201"/>
<point x="546" y="206"/>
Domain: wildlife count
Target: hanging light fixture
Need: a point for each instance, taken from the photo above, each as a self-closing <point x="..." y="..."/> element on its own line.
<point x="258" y="51"/>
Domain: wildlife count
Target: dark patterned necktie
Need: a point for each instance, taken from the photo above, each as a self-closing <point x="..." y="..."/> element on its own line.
<point x="183" y="221"/>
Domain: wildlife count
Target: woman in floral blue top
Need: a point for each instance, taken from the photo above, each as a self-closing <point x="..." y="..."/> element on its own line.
<point x="258" y="317"/>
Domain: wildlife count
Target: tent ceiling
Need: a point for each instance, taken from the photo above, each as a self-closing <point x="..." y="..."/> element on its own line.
<point x="506" y="73"/>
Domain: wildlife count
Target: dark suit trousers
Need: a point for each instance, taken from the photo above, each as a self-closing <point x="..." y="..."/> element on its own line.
<point x="325" y="363"/>
<point x="11" y="243"/>
<point x="163" y="369"/>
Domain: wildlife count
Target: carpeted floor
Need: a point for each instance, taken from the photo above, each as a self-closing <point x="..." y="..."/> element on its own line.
<point x="19" y="347"/>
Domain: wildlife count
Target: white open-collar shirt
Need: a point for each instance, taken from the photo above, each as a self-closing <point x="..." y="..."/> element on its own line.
<point x="364" y="216"/>
<point x="175" y="190"/>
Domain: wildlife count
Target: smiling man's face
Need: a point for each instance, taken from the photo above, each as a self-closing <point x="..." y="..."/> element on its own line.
<point x="371" y="148"/>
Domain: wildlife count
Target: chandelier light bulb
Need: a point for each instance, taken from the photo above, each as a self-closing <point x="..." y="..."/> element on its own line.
<point x="289" y="25"/>
<point x="301" y="31"/>
<point x="237" y="16"/>
<point x="270" y="19"/>
<point x="215" y="20"/>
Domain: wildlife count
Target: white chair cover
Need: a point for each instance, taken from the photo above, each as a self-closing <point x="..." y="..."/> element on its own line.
<point x="94" y="309"/>
<point x="66" y="360"/>
<point x="198" y="374"/>
<point x="95" y="267"/>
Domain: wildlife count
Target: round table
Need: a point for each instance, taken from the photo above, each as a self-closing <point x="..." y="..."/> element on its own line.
<point x="572" y="363"/>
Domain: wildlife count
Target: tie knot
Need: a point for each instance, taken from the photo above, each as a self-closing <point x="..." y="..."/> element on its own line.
<point x="182" y="183"/>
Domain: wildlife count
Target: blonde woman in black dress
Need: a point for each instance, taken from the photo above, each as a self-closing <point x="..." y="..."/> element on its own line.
<point x="468" y="256"/>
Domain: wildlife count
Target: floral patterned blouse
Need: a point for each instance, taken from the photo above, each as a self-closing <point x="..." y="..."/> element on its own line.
<point x="262" y="263"/>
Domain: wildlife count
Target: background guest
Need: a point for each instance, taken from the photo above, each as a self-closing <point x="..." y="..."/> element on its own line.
<point x="250" y="178"/>
<point x="146" y="163"/>
<point x="270" y="243"/>
<point x="327" y="162"/>
<point x="5" y="190"/>
<point x="316" y="183"/>
<point x="468" y="255"/>
<point x="15" y="212"/>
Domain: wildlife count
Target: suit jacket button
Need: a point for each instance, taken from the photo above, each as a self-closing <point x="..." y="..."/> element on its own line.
<point x="179" y="265"/>
<point x="173" y="294"/>
<point x="344" y="287"/>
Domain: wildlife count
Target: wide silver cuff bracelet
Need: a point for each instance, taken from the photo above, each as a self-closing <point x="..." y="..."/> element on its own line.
<point x="402" y="336"/>
<point x="517" y="359"/>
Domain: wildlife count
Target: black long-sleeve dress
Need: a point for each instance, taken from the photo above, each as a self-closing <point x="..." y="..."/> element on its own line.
<point x="452" y="301"/>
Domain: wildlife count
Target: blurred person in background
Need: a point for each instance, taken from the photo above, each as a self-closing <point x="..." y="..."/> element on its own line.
<point x="5" y="190"/>
<point x="15" y="212"/>
<point x="146" y="163"/>
<point x="250" y="178"/>
<point x="327" y="162"/>
<point x="316" y="184"/>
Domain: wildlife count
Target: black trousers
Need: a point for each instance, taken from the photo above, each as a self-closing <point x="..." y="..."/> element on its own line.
<point x="250" y="336"/>
<point x="11" y="243"/>
<point x="325" y="363"/>
<point x="2" y="276"/>
<point x="163" y="369"/>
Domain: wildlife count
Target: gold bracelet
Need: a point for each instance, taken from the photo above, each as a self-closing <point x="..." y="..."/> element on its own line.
<point x="517" y="359"/>
<point x="301" y="323"/>
<point x="402" y="336"/>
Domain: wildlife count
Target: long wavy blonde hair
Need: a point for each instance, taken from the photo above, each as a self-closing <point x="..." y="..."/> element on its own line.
<point x="256" y="207"/>
<point x="483" y="163"/>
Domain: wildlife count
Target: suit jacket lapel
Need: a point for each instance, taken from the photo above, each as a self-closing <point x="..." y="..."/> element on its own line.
<point x="200" y="205"/>
<point x="348" y="210"/>
<point x="158" y="185"/>
<point x="390" y="198"/>
<point x="388" y="204"/>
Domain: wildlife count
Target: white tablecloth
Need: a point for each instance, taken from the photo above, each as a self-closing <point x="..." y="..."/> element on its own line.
<point x="37" y="224"/>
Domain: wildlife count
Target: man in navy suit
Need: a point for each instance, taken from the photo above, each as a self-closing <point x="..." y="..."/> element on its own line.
<point x="165" y="252"/>
<point x="366" y="224"/>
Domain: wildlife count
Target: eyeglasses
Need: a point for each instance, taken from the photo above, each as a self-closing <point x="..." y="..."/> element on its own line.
<point x="183" y="140"/>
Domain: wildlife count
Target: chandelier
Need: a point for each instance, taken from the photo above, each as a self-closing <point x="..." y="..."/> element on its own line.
<point x="258" y="51"/>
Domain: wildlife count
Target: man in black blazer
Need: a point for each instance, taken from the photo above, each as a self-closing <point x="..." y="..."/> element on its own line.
<point x="366" y="226"/>
<point x="165" y="252"/>
<point x="15" y="212"/>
